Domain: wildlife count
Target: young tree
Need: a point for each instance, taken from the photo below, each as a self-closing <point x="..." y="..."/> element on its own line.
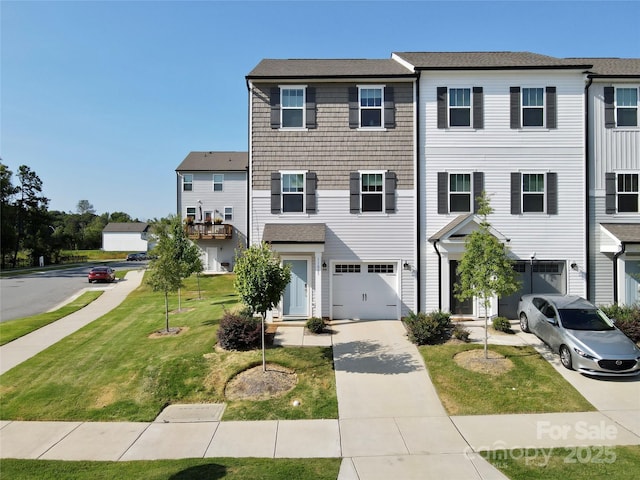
<point x="485" y="269"/>
<point x="260" y="281"/>
<point x="187" y="253"/>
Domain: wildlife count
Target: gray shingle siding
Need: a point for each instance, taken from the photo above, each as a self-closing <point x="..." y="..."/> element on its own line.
<point x="332" y="149"/>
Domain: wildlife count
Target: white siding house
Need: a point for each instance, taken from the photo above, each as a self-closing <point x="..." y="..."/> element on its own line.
<point x="613" y="96"/>
<point x="332" y="168"/>
<point x="212" y="195"/>
<point x="125" y="237"/>
<point x="511" y="124"/>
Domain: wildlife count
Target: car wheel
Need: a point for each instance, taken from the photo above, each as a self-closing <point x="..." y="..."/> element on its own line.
<point x="524" y="322"/>
<point x="89" y="281"/>
<point x="565" y="357"/>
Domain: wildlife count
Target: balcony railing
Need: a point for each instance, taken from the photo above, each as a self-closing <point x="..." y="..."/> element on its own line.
<point x="209" y="231"/>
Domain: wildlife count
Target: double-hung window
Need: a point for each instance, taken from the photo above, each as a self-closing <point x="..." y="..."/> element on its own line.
<point x="292" y="109"/>
<point x="627" y="192"/>
<point x="460" y="107"/>
<point x="533" y="192"/>
<point x="191" y="214"/>
<point x="460" y="192"/>
<point x="627" y="107"/>
<point x="372" y="192"/>
<point x="187" y="182"/>
<point x="293" y="192"/>
<point x="532" y="107"/>
<point x="371" y="106"/>
<point x="228" y="214"/>
<point x="218" y="182"/>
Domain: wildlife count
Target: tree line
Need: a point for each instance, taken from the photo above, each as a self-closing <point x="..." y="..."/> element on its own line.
<point x="30" y="230"/>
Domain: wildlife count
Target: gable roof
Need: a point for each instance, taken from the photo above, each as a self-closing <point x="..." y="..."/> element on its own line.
<point x="214" y="162"/>
<point x="327" y="68"/>
<point x="488" y="61"/>
<point x="456" y="227"/>
<point x="613" y="67"/>
<point x="624" y="232"/>
<point x="126" y="227"/>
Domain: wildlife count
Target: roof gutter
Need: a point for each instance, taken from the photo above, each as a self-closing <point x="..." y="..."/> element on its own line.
<point x="586" y="189"/>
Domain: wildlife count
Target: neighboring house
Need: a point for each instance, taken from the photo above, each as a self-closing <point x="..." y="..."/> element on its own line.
<point x="332" y="168"/>
<point x="511" y="124"/>
<point x="125" y="237"/>
<point x="613" y="94"/>
<point x="212" y="201"/>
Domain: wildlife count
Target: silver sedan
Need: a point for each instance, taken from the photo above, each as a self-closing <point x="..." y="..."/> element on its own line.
<point x="582" y="334"/>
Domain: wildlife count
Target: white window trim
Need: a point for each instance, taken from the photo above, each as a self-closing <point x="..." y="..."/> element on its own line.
<point x="616" y="106"/>
<point x="544" y="193"/>
<point x="224" y="214"/>
<point x="449" y="192"/>
<point x="304" y="191"/>
<point x="626" y="172"/>
<point x="185" y="183"/>
<point x="214" y="183"/>
<point x="544" y="108"/>
<point x="383" y="192"/>
<point x="381" y="127"/>
<point x="195" y="213"/>
<point x="303" y="127"/>
<point x="470" y="107"/>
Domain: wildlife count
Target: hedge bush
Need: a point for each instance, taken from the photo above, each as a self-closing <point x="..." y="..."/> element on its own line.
<point x="460" y="332"/>
<point x="425" y="329"/>
<point x="501" y="324"/>
<point x="239" y="331"/>
<point x="315" y="325"/>
<point x="627" y="319"/>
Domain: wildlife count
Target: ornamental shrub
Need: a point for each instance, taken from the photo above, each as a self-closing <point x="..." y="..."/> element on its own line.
<point x="627" y="319"/>
<point x="501" y="324"/>
<point x="315" y="325"/>
<point x="425" y="329"/>
<point x="239" y="331"/>
<point x="460" y="332"/>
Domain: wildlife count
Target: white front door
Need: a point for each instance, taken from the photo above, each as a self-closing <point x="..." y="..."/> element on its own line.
<point x="212" y="260"/>
<point x="295" y="300"/>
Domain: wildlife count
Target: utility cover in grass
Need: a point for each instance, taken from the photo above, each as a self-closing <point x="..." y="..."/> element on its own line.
<point x="256" y="384"/>
<point x="474" y="360"/>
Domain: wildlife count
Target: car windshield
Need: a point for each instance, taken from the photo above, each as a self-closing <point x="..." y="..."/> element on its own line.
<point x="585" y="319"/>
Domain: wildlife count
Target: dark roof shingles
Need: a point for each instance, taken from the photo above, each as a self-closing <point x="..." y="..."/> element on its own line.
<point x="294" y="233"/>
<point x="214" y="162"/>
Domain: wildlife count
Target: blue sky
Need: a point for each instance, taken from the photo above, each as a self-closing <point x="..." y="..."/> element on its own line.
<point x="103" y="100"/>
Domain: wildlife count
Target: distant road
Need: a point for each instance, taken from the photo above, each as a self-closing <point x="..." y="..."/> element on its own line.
<point x="38" y="292"/>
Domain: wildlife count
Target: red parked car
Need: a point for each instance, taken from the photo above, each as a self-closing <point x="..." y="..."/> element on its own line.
<point x="102" y="274"/>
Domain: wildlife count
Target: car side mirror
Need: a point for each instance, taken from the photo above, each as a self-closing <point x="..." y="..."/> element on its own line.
<point x="552" y="321"/>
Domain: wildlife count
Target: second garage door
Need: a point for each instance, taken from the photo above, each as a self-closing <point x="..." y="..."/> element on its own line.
<point x="365" y="290"/>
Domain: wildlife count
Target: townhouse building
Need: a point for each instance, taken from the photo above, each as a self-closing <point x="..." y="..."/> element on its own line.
<point x="511" y="124"/>
<point x="332" y="169"/>
<point x="212" y="200"/>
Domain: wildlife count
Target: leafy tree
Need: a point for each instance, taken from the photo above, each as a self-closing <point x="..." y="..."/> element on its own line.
<point x="260" y="281"/>
<point x="119" y="217"/>
<point x="85" y="207"/>
<point x="485" y="269"/>
<point x="187" y="253"/>
<point x="7" y="213"/>
<point x="32" y="216"/>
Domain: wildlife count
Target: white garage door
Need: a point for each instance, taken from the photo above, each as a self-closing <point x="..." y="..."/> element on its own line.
<point x="365" y="290"/>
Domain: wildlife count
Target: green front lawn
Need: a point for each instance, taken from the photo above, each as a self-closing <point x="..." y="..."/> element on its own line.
<point x="12" y="329"/>
<point x="573" y="463"/>
<point x="531" y="386"/>
<point x="116" y="369"/>
<point x="189" y="469"/>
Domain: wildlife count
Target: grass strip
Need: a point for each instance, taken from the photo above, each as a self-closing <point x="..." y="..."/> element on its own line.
<point x="531" y="386"/>
<point x="595" y="462"/>
<point x="118" y="368"/>
<point x="16" y="328"/>
<point x="188" y="469"/>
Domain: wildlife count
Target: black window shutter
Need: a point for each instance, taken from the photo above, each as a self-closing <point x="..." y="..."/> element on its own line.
<point x="354" y="109"/>
<point x="310" y="191"/>
<point x="516" y="186"/>
<point x="609" y="108"/>
<point x="390" y="182"/>
<point x="552" y="108"/>
<point x="478" y="107"/>
<point x="515" y="107"/>
<point x="389" y="108"/>
<point x="354" y="192"/>
<point x="275" y="192"/>
<point x="443" y="192"/>
<point x="443" y="122"/>
<point x="478" y="187"/>
<point x="311" y="107"/>
<point x="552" y="193"/>
<point x="610" y="193"/>
<point x="274" y="100"/>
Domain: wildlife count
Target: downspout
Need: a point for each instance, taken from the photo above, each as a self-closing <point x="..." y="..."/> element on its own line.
<point x="249" y="160"/>
<point x="615" y="271"/>
<point x="588" y="180"/>
<point x="417" y="200"/>
<point x="435" y="247"/>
